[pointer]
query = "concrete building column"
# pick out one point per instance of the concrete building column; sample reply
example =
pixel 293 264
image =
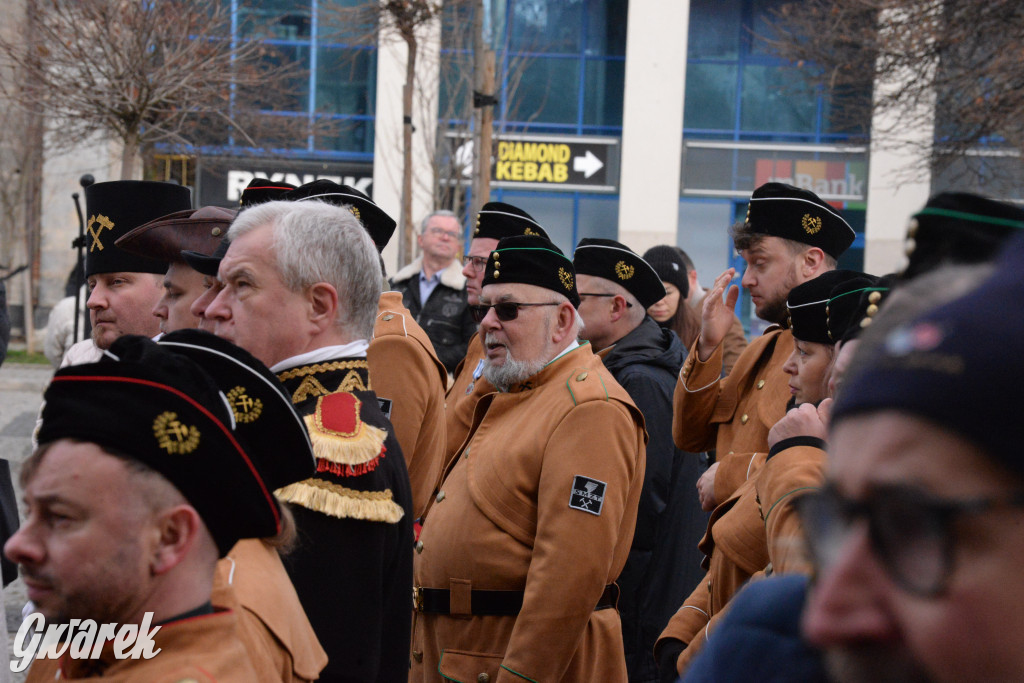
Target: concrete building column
pixel 899 179
pixel 387 145
pixel 652 122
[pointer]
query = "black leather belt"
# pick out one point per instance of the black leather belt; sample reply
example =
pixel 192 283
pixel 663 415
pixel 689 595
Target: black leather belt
pixel 490 603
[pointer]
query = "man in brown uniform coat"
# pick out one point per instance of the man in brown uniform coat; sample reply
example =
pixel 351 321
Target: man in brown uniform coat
pixel 127 537
pixel 494 222
pixel 790 236
pixel 756 530
pixel 517 558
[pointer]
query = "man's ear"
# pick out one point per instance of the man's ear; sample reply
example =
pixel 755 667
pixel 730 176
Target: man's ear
pixel 619 307
pixel 323 304
pixel 563 327
pixel 812 263
pixel 176 531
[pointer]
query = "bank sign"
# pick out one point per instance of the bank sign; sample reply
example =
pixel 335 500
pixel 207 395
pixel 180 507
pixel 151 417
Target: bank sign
pixel 842 180
pixel 222 179
pixel 541 162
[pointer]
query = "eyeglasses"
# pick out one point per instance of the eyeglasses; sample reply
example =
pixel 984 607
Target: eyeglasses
pixel 583 294
pixel 478 262
pixel 450 234
pixel 911 532
pixel 506 310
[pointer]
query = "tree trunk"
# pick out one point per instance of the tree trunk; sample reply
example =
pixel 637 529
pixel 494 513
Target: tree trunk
pixel 130 156
pixel 483 82
pixel 406 226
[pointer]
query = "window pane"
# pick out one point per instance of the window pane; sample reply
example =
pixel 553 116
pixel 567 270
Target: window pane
pixel 764 12
pixel 777 99
pixel 553 213
pixel 456 86
pixel 347 136
pixel 546 25
pixel 710 96
pixel 275 19
pixel 602 92
pixel 606 27
pixel 547 92
pixel 704 236
pixel 715 29
pixel 345 81
pixel 598 218
pixel 457 26
pixel 295 96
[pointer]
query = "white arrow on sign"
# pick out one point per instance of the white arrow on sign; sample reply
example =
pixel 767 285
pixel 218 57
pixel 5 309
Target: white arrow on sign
pixel 587 164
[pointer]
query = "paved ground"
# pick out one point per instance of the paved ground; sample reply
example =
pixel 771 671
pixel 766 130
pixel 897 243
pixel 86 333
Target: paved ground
pixel 21 390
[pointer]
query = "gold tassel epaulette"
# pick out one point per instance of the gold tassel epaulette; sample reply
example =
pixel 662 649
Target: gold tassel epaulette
pixel 341 502
pixel 343 444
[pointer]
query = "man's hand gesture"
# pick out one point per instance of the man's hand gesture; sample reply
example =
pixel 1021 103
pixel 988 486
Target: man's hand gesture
pixel 716 317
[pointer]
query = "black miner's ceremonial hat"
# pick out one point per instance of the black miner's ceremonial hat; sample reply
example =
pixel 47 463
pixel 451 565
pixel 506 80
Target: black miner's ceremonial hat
pixel 808 304
pixel 497 220
pixel 618 263
pixel 380 225
pixel 164 410
pixel 853 305
pixel 267 426
pixel 532 260
pixel 114 208
pixel 959 227
pixel 796 214
pixel 261 190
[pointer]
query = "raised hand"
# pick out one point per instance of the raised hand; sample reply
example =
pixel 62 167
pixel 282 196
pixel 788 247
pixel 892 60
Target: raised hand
pixel 716 317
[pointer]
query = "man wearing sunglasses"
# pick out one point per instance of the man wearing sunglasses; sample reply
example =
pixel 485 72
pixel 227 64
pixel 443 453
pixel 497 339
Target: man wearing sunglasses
pixel 495 221
pixel 433 288
pixel 515 567
pixel 664 566
pixel 919 536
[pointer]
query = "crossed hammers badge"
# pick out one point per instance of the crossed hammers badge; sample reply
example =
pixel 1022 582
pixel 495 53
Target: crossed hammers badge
pixel 96 225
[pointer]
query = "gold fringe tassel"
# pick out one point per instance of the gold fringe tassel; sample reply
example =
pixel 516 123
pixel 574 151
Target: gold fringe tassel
pixel 343 503
pixel 364 446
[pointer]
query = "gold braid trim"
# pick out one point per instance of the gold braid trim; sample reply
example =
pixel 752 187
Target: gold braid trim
pixel 337 501
pixel 323 367
pixel 362 446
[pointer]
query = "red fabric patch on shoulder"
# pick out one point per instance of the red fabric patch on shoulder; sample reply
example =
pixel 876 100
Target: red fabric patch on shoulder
pixel 338 413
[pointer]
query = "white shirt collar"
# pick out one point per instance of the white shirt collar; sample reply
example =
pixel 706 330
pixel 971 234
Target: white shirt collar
pixel 356 349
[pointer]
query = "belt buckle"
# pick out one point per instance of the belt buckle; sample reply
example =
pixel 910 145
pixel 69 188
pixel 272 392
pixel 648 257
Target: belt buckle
pixel 417 598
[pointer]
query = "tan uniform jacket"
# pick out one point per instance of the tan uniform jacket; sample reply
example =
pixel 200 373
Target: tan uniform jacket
pixel 463 395
pixel 733 344
pixel 755 528
pixel 732 415
pixel 406 374
pixel 199 649
pixel 506 521
pixel 280 641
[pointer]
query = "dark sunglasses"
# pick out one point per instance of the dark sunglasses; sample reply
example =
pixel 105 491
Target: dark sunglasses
pixel 506 310
pixel 911 531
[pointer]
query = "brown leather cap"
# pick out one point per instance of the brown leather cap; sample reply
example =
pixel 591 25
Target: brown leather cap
pixel 166 237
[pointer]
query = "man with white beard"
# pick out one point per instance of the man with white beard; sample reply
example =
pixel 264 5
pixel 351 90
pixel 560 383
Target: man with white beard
pixel 533 522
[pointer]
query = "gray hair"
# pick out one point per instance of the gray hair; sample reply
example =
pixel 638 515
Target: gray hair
pixel 440 212
pixel 313 242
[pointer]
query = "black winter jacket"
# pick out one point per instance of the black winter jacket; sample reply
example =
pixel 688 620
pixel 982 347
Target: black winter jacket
pixel 664 563
pixel 444 316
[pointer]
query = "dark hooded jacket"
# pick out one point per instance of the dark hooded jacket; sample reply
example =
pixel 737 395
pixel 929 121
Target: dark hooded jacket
pixel 664 563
